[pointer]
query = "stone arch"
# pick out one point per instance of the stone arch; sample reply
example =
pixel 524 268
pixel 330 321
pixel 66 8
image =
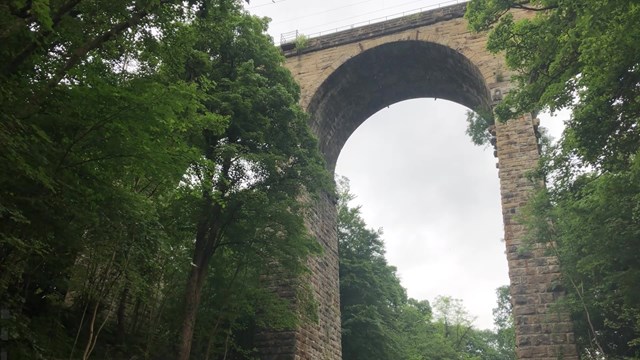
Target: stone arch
pixel 347 76
pixel 387 74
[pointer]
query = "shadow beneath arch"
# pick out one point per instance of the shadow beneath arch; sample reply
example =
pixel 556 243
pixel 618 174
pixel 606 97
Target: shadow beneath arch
pixel 387 74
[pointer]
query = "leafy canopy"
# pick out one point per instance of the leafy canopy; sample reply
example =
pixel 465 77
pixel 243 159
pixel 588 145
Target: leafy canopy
pixel 581 55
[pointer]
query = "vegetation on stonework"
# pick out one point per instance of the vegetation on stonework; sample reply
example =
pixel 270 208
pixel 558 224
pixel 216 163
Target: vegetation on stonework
pixel 582 55
pixel 301 42
pixel 479 126
pixel 380 322
pixel 153 154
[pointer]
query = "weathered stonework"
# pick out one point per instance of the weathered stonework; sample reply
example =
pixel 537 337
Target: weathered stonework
pixel 543 331
pixel 348 76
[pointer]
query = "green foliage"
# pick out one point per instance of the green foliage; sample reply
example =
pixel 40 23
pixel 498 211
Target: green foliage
pixel 379 322
pixel 301 42
pixel 122 125
pixel 371 296
pixel 592 220
pixel 505 335
pixel 90 150
pixel 582 55
pixel 479 127
pixel 254 171
pixel 454 323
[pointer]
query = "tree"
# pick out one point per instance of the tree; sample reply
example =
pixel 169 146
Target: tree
pixel 422 337
pixel 581 55
pixel 453 321
pixel 590 221
pixel 371 297
pixel 449 335
pixel 261 162
pixel 129 129
pixel 89 145
pixel 504 324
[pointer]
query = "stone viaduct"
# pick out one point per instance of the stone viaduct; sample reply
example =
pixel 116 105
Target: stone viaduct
pixel 346 77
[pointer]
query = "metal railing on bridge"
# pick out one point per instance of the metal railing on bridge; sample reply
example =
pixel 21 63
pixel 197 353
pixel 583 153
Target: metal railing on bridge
pixel 291 36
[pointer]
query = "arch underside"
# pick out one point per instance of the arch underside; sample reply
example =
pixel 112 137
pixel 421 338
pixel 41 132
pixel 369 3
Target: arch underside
pixel 387 74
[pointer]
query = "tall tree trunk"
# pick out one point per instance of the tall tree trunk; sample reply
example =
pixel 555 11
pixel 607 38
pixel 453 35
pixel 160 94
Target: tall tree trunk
pixel 136 316
pixel 192 301
pixel 207 240
pixel 94 314
pixel 212 337
pixel 121 316
pixel 208 234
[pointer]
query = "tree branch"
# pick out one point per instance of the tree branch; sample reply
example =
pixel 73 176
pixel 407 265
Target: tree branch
pixel 28 50
pixel 94 43
pixel 106 157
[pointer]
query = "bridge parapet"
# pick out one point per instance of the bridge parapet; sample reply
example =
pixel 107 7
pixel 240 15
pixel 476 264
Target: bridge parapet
pixel 369 31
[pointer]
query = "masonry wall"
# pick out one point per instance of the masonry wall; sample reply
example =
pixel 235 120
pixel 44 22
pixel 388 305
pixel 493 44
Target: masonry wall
pixel 543 330
pixel 322 340
pixel 319 339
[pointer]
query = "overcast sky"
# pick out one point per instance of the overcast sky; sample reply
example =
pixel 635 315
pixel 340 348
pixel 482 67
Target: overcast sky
pixel 416 174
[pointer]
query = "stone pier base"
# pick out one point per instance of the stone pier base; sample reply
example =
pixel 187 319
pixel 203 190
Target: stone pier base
pixel 543 330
